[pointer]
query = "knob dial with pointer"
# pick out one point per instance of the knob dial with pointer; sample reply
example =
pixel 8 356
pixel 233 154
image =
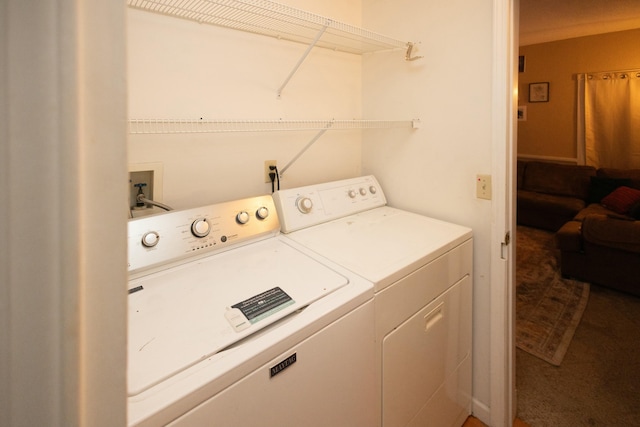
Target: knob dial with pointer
pixel 150 239
pixel 304 204
pixel 200 227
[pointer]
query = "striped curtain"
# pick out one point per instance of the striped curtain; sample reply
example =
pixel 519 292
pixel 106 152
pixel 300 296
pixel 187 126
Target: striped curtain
pixel 609 119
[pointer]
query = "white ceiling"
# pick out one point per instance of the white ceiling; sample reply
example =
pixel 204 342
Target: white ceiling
pixel 549 20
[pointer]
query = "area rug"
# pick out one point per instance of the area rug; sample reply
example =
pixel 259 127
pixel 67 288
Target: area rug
pixel 548 307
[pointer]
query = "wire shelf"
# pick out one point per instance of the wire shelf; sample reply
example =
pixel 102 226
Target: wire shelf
pixel 173 126
pixel 275 20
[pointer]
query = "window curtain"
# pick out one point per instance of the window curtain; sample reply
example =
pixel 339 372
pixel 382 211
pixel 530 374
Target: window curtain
pixel 608 112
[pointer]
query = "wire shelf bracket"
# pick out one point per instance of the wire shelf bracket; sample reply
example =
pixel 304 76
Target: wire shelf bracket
pixel 305 148
pixel 302 58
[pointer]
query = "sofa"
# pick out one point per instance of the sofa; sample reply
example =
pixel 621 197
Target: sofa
pixel 550 194
pixel 596 216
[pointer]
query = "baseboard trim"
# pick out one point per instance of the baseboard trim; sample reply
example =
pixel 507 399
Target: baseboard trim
pixel 481 411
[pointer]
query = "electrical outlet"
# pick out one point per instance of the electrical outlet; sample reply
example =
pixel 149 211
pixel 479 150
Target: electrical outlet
pixel 483 187
pixel 267 171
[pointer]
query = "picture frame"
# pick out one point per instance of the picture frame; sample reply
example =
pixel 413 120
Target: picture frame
pixel 539 92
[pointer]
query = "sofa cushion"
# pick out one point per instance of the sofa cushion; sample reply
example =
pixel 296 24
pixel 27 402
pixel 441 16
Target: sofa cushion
pixel 622 199
pixel 542 202
pixel 600 187
pixel 612 232
pixel 558 179
pixel 598 209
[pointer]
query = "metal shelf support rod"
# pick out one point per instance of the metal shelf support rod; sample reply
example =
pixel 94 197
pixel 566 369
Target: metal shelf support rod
pixel 305 148
pixel 303 57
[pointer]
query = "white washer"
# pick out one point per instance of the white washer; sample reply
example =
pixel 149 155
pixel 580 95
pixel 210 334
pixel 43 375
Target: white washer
pixel 421 269
pixel 231 325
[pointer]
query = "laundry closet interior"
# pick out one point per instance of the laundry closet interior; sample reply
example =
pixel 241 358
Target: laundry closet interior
pixel 328 91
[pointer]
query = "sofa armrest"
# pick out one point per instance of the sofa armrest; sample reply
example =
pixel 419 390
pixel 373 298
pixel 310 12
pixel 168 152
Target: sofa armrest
pixel 612 232
pixel 569 237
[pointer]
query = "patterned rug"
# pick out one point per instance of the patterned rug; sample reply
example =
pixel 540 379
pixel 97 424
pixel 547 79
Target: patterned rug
pixel 548 307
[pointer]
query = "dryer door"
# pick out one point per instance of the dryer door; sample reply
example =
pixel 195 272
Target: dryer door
pixel 424 362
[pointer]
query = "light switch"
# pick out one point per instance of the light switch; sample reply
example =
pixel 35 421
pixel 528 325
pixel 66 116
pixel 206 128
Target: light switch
pixel 483 187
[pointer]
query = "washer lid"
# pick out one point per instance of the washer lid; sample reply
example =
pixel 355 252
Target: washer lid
pixel 383 244
pixel 185 314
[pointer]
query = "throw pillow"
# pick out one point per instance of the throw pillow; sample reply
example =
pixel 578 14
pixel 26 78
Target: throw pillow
pixel 622 199
pixel 601 187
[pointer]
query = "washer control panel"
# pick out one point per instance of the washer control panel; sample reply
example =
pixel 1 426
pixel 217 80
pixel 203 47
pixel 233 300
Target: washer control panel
pixel 178 235
pixel 314 204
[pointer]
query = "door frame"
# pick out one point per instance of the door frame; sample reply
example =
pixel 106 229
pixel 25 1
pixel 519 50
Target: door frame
pixel 504 135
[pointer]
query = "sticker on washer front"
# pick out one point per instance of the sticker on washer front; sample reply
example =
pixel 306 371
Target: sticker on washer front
pixel 259 307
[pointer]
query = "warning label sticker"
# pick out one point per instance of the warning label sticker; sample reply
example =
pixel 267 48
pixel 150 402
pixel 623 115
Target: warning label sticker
pixel 263 305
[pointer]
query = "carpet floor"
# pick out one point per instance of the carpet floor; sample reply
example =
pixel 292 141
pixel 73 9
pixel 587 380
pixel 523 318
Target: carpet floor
pixel 598 382
pixel 548 307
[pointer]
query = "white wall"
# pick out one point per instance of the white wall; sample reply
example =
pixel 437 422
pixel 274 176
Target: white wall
pixel 62 234
pixel 433 171
pixel 181 69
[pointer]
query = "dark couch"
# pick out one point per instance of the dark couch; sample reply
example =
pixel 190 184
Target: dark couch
pixel 550 194
pixel 596 215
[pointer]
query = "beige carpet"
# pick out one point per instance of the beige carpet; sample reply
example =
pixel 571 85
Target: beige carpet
pixel 548 307
pixel 598 383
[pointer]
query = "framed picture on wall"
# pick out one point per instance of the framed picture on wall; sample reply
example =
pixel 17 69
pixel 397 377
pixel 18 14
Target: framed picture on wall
pixel 539 92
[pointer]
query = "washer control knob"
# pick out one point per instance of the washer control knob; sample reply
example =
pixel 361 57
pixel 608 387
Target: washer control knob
pixel 262 213
pixel 373 189
pixel 363 191
pixel 352 194
pixel 242 217
pixel 200 227
pixel 150 239
pixel 304 204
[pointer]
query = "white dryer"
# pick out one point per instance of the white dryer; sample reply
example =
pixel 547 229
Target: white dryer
pixel 231 325
pixel 421 269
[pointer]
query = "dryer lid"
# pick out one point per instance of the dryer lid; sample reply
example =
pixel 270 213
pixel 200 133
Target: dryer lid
pixel 383 244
